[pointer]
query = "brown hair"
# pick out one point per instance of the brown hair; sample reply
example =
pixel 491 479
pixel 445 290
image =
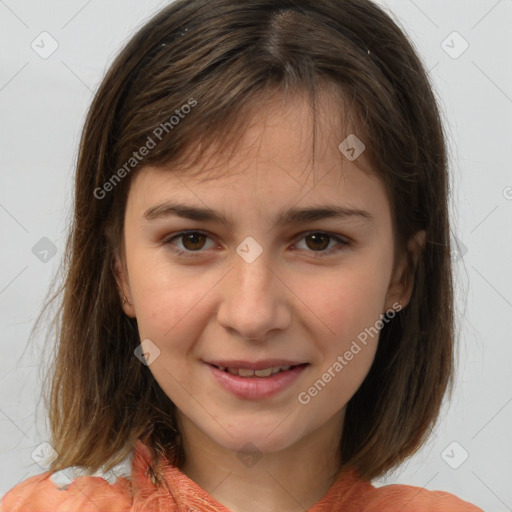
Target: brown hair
pixel 221 57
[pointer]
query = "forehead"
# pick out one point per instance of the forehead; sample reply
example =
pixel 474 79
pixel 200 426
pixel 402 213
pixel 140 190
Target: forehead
pixel 287 154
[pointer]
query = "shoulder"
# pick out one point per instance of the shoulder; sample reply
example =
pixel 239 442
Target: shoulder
pixel 414 499
pixel 85 493
pixel 356 494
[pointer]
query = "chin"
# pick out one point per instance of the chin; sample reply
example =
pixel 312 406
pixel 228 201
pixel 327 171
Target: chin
pixel 253 437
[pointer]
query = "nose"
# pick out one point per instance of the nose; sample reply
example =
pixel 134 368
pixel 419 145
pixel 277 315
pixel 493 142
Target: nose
pixel 254 300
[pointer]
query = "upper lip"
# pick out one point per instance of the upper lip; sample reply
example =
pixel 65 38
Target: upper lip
pixel 255 365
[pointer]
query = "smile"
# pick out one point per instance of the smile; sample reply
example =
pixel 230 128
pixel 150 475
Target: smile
pixel 247 372
pixel 256 383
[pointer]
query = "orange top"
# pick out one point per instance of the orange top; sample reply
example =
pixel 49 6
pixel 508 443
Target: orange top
pixel 137 493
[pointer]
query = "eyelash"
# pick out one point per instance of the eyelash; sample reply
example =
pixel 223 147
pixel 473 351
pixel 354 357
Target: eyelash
pixel 343 244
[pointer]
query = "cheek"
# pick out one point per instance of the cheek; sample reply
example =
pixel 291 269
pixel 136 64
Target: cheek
pixel 346 338
pixel 348 301
pixel 168 301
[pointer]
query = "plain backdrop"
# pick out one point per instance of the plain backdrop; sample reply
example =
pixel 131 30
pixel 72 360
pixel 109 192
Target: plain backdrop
pixel 43 100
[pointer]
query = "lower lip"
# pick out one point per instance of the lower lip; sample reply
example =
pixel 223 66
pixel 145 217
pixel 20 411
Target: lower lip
pixel 255 388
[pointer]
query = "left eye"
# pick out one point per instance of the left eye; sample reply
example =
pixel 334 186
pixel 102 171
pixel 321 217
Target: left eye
pixel 193 242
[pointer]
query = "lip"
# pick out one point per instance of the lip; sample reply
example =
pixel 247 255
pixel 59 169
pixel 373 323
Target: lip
pixel 258 365
pixel 256 388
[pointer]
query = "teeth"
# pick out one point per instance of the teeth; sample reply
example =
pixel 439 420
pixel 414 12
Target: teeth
pixel 267 372
pixel 245 372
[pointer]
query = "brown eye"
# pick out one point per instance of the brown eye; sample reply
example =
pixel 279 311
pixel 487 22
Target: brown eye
pixel 320 241
pixel 193 241
pixel 188 243
pixel 317 243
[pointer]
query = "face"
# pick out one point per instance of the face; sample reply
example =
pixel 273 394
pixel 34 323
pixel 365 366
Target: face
pixel 262 289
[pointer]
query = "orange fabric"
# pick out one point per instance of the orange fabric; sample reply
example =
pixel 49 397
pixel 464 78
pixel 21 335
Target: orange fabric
pixel 139 494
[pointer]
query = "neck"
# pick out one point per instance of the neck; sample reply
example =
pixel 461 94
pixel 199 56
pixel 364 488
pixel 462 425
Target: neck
pixel 296 477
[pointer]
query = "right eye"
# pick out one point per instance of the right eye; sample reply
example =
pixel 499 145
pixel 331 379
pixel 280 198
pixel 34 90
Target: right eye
pixel 192 241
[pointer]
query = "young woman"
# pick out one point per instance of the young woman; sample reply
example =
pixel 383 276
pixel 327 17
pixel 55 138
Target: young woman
pixel 258 305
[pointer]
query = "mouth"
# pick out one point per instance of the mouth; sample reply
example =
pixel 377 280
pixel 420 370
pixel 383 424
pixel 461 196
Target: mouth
pixel 256 380
pixel 264 372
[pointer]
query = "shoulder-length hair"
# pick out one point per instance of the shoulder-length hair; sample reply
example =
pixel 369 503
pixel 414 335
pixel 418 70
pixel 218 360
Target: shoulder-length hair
pixel 187 80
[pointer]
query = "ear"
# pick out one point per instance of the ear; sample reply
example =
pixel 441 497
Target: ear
pixel 402 281
pixel 121 275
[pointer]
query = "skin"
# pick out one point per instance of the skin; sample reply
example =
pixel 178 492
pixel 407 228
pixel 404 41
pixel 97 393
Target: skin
pixel 289 303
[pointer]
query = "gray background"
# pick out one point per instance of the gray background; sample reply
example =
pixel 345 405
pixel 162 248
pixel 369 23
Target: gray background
pixel 42 107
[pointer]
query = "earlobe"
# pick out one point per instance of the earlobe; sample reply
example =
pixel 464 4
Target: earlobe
pixel 123 286
pixel 402 284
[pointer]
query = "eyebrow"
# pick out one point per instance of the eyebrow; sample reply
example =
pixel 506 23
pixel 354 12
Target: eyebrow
pixel 290 216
